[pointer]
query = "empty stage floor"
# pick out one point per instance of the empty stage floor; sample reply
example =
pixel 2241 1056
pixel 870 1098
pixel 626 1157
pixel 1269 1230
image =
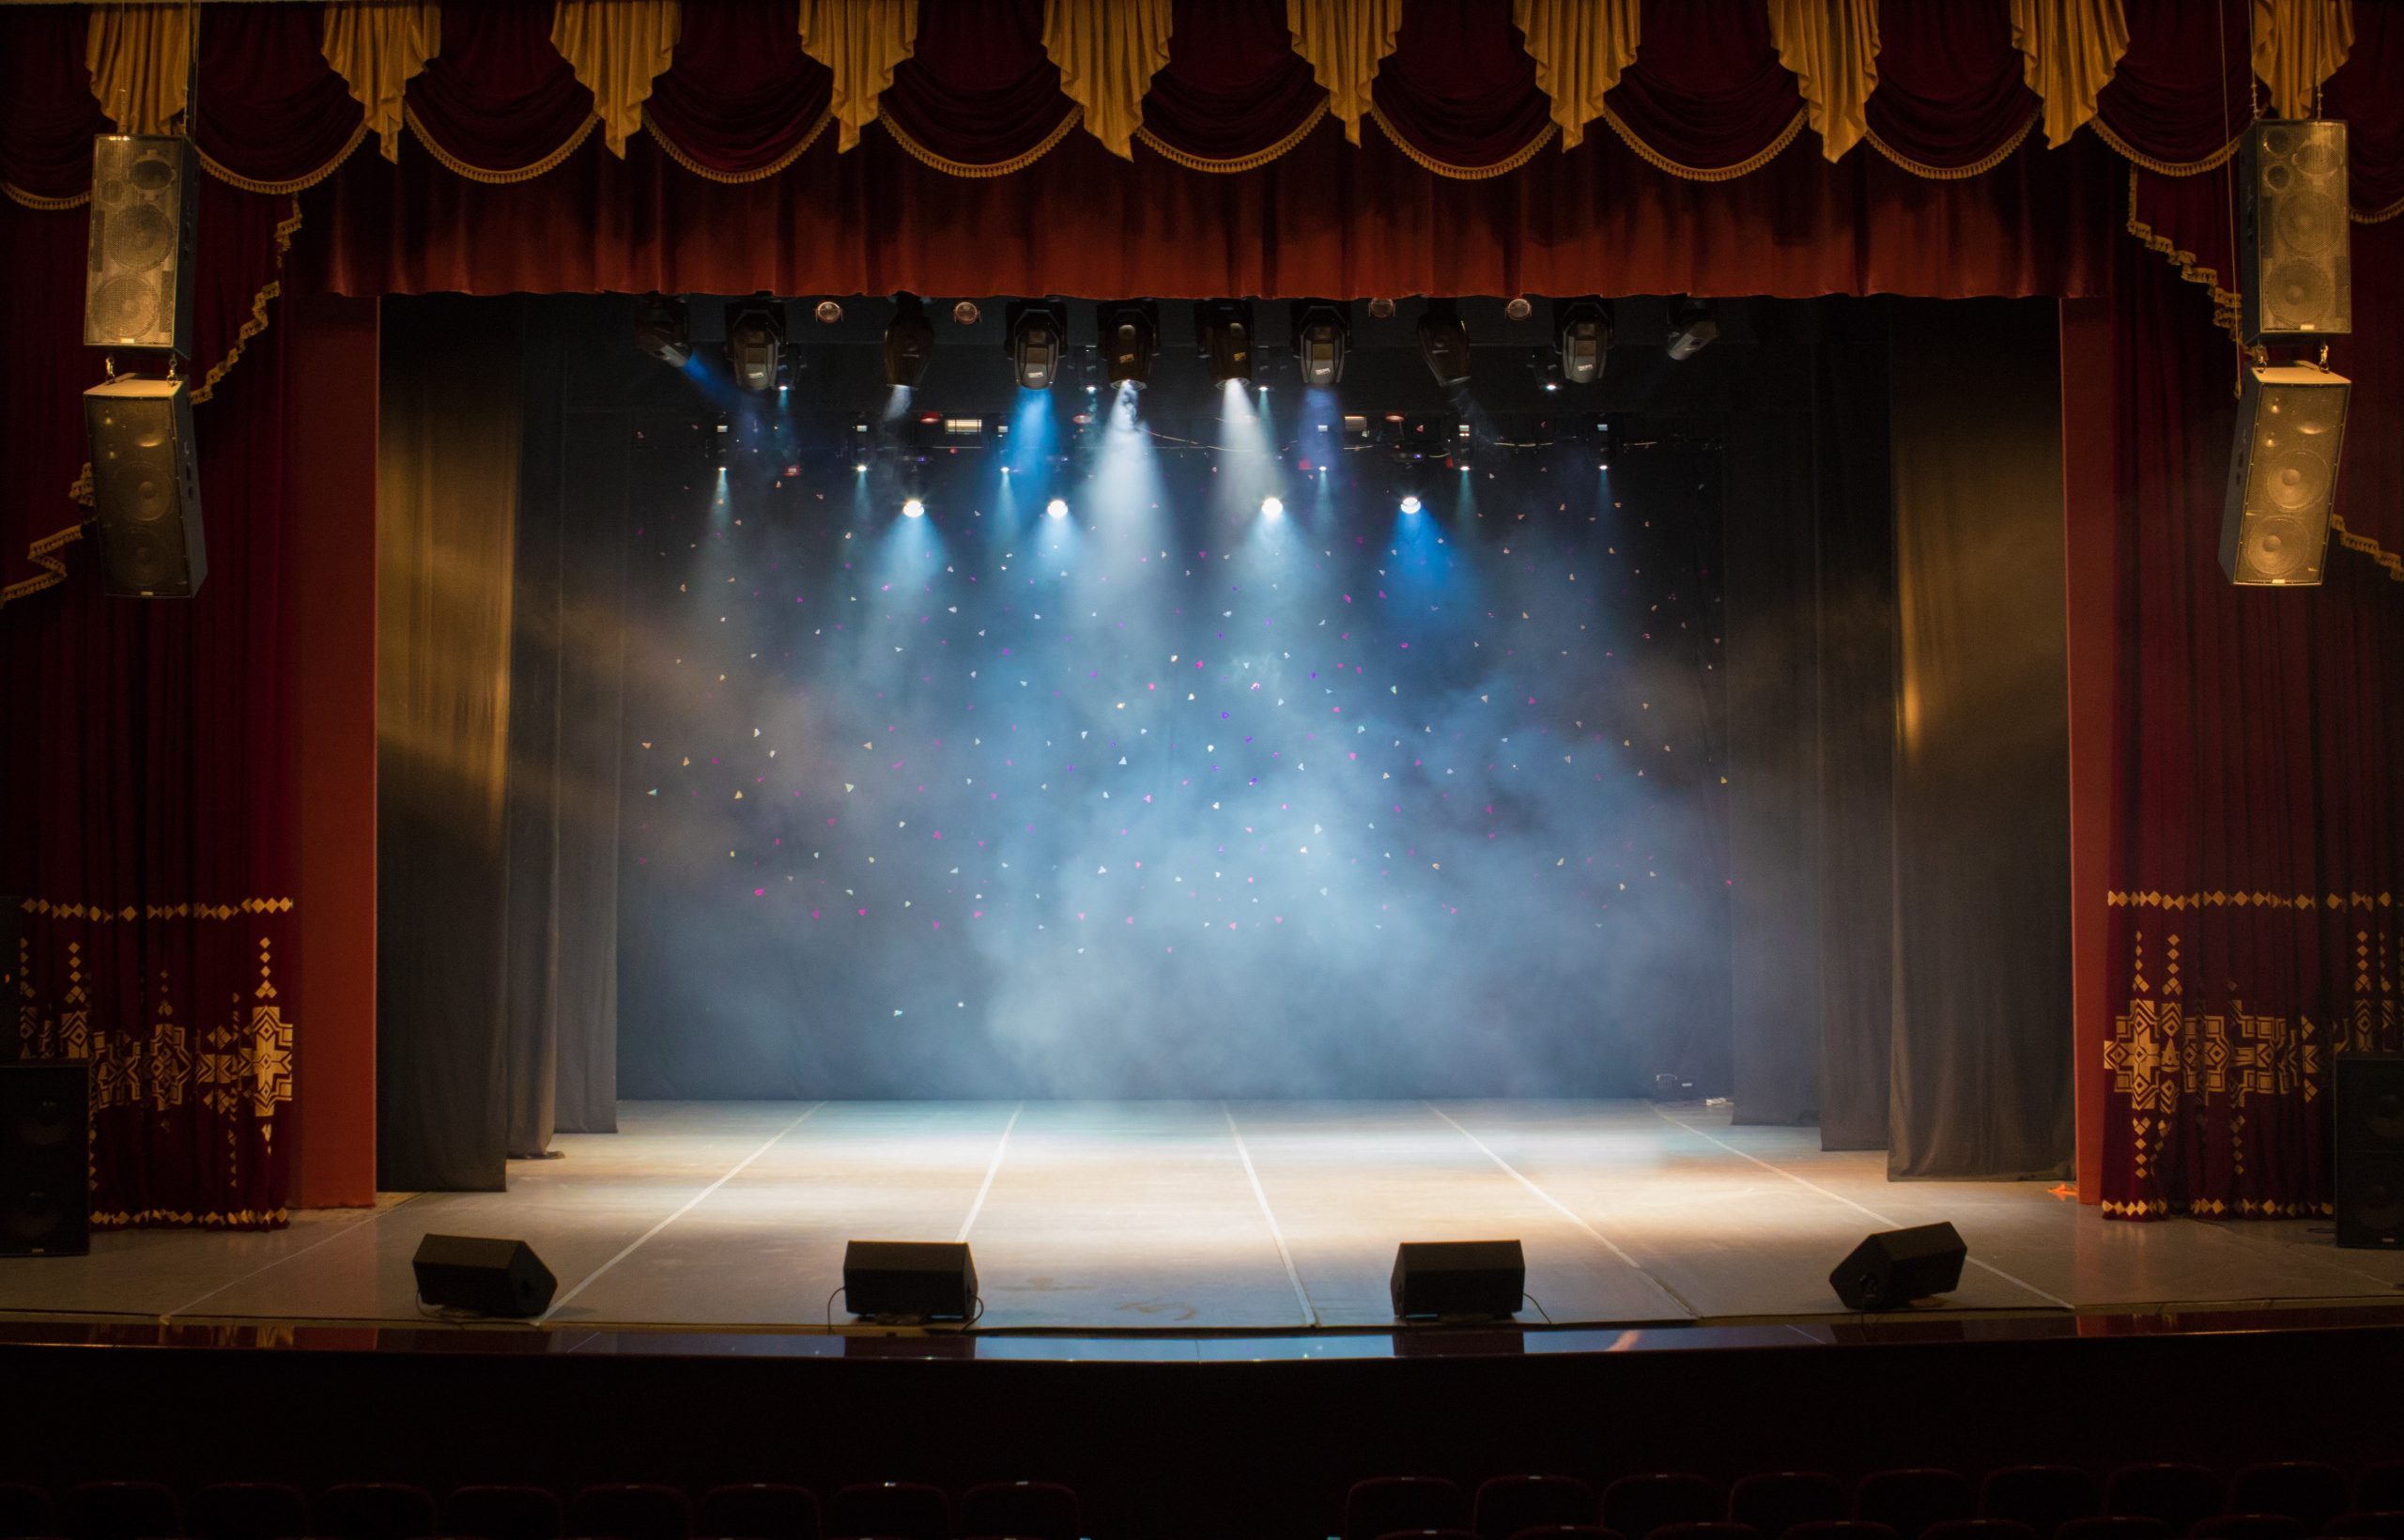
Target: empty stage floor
pixel 1196 1217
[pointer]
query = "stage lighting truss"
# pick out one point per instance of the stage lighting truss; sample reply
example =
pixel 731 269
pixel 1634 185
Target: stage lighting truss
pixel 1223 332
pixel 1443 342
pixel 1323 335
pixel 1038 336
pixel 932 432
pixel 1582 328
pixel 755 338
pixel 909 342
pixel 1693 327
pixel 1424 438
pixel 1130 333
pixel 664 330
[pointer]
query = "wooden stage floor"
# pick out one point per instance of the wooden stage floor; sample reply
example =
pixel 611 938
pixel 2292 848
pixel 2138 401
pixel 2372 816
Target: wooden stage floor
pixel 1198 1217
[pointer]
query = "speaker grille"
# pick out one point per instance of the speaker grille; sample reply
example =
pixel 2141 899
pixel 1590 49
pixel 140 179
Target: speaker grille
pixel 2295 267
pixel 144 487
pixel 138 278
pixel 2283 474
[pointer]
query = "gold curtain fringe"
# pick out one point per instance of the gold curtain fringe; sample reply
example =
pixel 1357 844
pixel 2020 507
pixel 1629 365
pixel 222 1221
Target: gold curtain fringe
pixel 997 168
pixel 1659 161
pixel 2225 302
pixel 2367 547
pixel 255 323
pixel 2377 216
pixel 1170 153
pixel 499 179
pixel 1510 163
pixel 2221 899
pixel 1954 174
pixel 50 910
pixel 34 200
pixel 2164 168
pixel 240 1219
pixel 297 184
pixel 734 178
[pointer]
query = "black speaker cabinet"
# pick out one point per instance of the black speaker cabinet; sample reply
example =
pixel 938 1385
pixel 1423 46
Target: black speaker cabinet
pixel 137 283
pixel 490 1277
pixel 2282 474
pixel 1893 1268
pixel 1457 1278
pixel 45 1158
pixel 924 1278
pixel 2295 266
pixel 2370 1149
pixel 145 488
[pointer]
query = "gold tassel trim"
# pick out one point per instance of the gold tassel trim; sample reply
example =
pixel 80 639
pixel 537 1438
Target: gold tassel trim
pixel 2225 302
pixel 1254 162
pixel 1951 173
pixel 1510 163
pixel 41 552
pixel 2218 900
pixel 256 322
pixel 1659 161
pixel 241 1219
pixel 2165 168
pixel 47 910
pixel 2377 216
pixel 2367 547
pixel 498 179
pixel 35 200
pixel 297 184
pixel 997 168
pixel 676 153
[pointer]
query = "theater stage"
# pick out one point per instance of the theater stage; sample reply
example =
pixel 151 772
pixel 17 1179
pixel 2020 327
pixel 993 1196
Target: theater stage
pixel 1199 1216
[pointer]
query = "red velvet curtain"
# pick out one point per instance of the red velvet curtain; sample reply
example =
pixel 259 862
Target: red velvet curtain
pixel 742 97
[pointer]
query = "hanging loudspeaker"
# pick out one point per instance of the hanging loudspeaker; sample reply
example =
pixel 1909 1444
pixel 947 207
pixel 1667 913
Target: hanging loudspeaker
pixel 145 488
pixel 2295 265
pixel 137 281
pixel 2282 472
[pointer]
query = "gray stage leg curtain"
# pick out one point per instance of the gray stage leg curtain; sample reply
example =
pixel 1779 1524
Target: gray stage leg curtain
pixel 446 491
pixel 1982 1037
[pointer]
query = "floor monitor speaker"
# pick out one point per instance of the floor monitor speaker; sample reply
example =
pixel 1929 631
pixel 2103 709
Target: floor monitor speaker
pixel 1893 1268
pixel 137 281
pixel 2282 474
pixel 2295 267
pixel 2370 1149
pixel 45 1158
pixel 922 1278
pixel 1458 1278
pixel 482 1276
pixel 145 488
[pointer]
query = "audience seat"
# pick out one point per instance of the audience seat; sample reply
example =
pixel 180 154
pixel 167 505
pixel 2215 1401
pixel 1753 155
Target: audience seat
pixel 1841 1529
pixel 377 1510
pixel 249 1509
pixel 1978 1528
pixel 631 1511
pixel 761 1510
pixel 891 1509
pixel 121 1510
pixel 2359 1525
pixel 1505 1505
pixel 2309 1491
pixel 1385 1504
pixel 2180 1496
pixel 1025 1510
pixel 1638 1506
pixel 1568 1531
pixel 1774 1502
pixel 2113 1526
pixel 2247 1527
pixel 2379 1488
pixel 504 1512
pixel 1908 1502
pixel 1717 1529
pixel 25 1511
pixel 2043 1497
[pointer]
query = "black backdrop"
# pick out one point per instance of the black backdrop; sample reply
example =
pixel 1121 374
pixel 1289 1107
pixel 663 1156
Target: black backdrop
pixel 1797 992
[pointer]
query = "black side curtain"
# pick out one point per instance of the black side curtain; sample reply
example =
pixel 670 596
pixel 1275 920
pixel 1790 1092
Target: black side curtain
pixel 498 668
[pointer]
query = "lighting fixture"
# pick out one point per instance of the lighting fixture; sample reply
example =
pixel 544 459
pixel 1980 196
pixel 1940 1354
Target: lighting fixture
pixel 913 508
pixel 1583 329
pixel 1518 309
pixel 1382 310
pixel 909 342
pixel 1272 507
pixel 1322 334
pixel 664 330
pixel 1693 327
pixel 1410 503
pixel 1039 333
pixel 1131 330
pixel 755 336
pixel 965 313
pixel 1443 342
pixel 1223 330
pixel 1057 507
pixel 827 312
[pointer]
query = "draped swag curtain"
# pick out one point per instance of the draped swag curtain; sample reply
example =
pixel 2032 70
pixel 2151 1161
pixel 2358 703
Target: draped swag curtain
pixel 1478 146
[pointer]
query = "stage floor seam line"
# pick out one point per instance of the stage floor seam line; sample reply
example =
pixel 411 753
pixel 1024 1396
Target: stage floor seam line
pixel 1566 1212
pixel 993 1169
pixel 1276 1232
pixel 636 1245
pixel 1856 1205
pixel 350 1227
